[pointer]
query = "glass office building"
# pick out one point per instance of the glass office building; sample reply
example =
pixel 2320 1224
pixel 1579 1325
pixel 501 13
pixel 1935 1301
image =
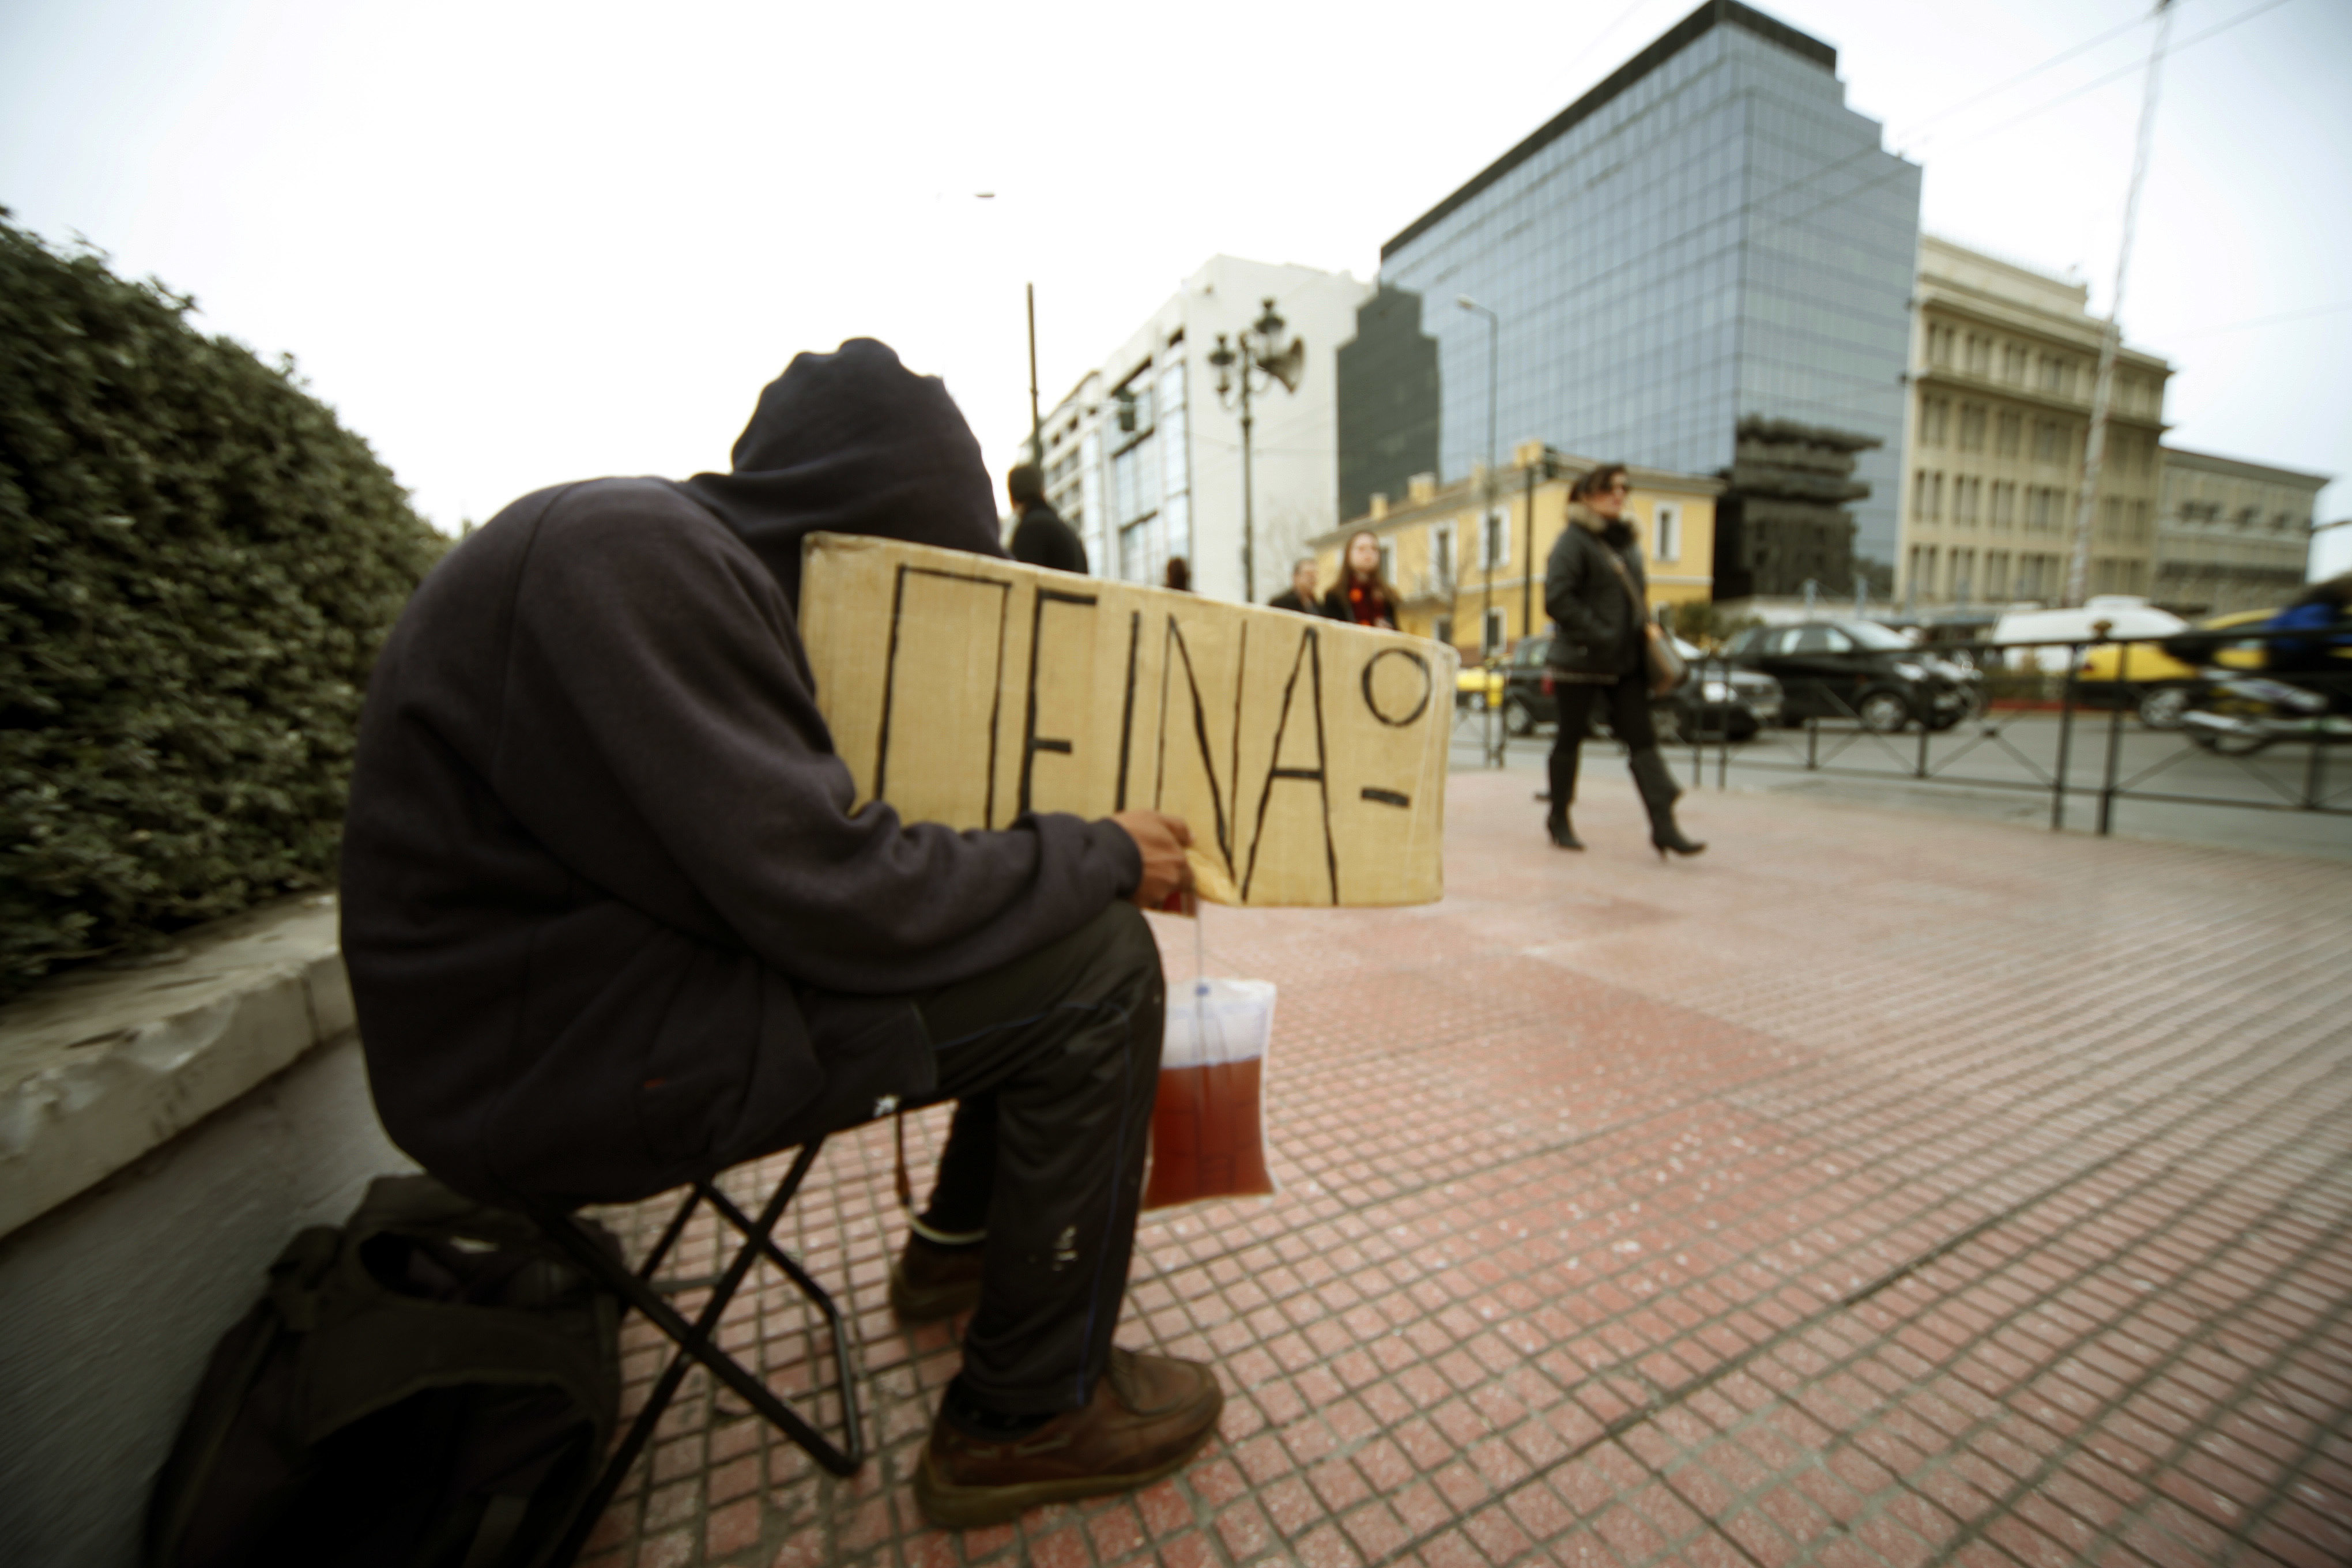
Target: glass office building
pixel 1707 236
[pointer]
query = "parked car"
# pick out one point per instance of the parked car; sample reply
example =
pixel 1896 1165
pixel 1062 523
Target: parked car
pixel 1713 701
pixel 1859 669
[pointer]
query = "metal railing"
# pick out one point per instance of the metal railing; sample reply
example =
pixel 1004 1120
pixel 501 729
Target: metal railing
pixel 2040 726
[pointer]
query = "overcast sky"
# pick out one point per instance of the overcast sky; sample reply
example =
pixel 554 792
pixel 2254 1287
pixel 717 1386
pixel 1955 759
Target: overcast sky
pixel 520 243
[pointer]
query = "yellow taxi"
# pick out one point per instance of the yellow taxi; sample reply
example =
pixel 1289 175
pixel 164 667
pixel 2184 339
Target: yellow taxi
pixel 1479 687
pixel 2155 682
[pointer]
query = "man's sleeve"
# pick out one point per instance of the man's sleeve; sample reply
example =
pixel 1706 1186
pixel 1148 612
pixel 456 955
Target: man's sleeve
pixel 674 650
pixel 1029 545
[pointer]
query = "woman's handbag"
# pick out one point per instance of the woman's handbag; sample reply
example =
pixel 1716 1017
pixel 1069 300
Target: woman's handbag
pixel 1665 666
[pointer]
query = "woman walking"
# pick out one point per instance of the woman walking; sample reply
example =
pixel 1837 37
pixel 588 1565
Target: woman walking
pixel 1596 594
pixel 1361 594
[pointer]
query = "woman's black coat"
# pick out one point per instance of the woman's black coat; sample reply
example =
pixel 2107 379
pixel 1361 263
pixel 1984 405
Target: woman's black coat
pixel 1596 633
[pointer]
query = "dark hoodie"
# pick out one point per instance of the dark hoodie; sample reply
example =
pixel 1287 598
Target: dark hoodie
pixel 609 919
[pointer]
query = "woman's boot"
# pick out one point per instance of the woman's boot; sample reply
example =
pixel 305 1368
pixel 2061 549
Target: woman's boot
pixel 1658 792
pixel 1563 791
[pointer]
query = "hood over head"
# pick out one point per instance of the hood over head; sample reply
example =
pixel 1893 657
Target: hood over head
pixel 853 442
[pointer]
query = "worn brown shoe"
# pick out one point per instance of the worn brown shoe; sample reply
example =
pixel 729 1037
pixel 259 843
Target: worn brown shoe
pixel 1149 1414
pixel 929 1281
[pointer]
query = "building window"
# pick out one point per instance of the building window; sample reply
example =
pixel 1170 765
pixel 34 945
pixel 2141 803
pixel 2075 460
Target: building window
pixel 1495 540
pixel 1170 440
pixel 1441 557
pixel 1492 641
pixel 2011 441
pixel 1443 631
pixel 1972 427
pixel 1668 545
pixel 1134 553
pixel 2046 441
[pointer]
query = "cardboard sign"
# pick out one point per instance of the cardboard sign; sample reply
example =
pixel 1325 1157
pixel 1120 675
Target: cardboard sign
pixel 1307 756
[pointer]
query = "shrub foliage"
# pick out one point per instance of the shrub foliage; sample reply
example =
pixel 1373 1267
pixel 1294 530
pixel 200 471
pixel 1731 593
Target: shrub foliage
pixel 197 566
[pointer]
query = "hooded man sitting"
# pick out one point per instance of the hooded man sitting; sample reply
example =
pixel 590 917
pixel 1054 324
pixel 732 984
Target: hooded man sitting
pixel 612 924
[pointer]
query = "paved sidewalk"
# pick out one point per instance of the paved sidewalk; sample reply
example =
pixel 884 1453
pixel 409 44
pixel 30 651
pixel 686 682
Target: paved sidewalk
pixel 1873 1189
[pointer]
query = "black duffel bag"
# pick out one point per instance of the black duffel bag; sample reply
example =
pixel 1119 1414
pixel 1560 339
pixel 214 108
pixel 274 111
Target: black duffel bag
pixel 431 1387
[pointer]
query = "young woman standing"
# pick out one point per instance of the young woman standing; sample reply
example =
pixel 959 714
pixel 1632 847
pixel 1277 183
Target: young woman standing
pixel 1595 591
pixel 1361 594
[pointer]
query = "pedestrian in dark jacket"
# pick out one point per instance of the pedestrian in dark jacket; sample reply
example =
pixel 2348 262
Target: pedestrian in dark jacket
pixel 1040 537
pixel 1595 591
pixel 612 924
pixel 1361 594
pixel 1300 595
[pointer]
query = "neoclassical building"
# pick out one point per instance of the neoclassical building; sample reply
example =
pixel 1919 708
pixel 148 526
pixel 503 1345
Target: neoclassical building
pixel 2003 363
pixel 2229 534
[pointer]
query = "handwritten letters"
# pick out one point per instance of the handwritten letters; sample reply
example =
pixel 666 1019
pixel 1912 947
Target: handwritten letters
pixel 1309 756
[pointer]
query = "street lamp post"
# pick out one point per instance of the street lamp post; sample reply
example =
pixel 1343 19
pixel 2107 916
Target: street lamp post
pixel 1260 352
pixel 1487 506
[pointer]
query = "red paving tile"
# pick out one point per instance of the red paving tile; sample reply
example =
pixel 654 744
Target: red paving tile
pixel 1873 1190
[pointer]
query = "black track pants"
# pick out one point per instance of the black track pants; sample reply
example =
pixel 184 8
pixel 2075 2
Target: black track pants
pixel 1054 1061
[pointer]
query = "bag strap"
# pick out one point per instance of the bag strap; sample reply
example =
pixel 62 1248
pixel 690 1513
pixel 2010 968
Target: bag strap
pixel 1641 611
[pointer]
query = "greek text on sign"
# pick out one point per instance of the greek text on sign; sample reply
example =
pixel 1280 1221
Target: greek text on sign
pixel 1309 756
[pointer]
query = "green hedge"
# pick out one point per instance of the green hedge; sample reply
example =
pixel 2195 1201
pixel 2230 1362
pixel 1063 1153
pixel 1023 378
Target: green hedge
pixel 197 566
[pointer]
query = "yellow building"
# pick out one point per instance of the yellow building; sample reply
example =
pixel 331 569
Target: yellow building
pixel 1481 589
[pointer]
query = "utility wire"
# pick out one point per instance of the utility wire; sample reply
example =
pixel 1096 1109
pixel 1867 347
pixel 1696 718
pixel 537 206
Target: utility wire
pixel 1907 132
pixel 1904 167
pixel 1621 18
pixel 2263 321
pixel 2133 68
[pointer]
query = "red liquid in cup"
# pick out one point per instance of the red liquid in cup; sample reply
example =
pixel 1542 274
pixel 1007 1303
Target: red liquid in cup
pixel 1206 1141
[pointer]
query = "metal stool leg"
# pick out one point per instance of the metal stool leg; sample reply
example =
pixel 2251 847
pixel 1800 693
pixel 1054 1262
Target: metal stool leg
pixel 694 1340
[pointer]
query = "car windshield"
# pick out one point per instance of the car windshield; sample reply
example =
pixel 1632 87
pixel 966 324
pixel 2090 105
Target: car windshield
pixel 1873 636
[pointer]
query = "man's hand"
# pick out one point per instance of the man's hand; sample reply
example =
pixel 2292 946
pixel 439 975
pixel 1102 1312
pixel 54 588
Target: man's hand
pixel 1160 840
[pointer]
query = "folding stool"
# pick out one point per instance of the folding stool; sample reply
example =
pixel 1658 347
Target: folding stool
pixel 694 1340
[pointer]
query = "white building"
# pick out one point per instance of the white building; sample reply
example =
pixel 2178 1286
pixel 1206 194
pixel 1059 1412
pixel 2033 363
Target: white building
pixel 2229 534
pixel 1172 484
pixel 2004 361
